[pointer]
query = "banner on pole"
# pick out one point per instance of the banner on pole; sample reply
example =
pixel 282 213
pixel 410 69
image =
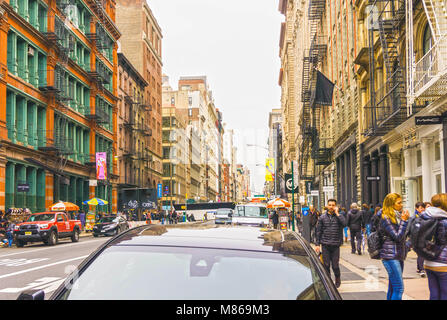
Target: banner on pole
pixel 101 165
pixel 269 169
pixel 288 182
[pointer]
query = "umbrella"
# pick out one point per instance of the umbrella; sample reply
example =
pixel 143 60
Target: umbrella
pixel 96 202
pixel 64 206
pixel 269 203
pixel 280 203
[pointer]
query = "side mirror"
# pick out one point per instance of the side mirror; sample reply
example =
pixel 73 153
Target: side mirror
pixel 32 295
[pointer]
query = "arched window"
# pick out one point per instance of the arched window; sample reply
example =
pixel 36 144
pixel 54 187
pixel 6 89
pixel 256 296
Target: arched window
pixel 428 40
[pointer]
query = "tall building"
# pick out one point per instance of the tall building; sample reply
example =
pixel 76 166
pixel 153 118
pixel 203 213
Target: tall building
pixel 141 43
pixel 275 122
pixel 58 91
pixel 137 183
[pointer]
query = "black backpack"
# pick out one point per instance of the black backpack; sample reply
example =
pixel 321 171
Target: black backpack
pixel 375 242
pixel 422 236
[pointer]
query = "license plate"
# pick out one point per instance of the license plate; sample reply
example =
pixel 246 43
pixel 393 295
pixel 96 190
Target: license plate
pixel 28 233
pixel 103 231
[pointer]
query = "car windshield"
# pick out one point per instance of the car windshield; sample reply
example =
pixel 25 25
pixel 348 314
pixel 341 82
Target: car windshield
pixel 252 211
pixel 41 217
pixel 123 272
pixel 107 219
pixel 225 211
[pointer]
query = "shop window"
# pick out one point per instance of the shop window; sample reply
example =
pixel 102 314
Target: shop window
pixel 437 151
pixel 419 158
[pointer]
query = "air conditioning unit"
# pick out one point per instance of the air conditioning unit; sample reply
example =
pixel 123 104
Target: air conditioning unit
pixel 144 35
pixel 31 51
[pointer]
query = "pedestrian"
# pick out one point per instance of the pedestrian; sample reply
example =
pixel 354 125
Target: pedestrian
pixel 275 219
pixel 427 204
pixel 314 216
pixel 345 229
pixel 10 234
pixel 392 226
pixel 329 238
pixel 174 217
pixel 367 215
pixel 299 221
pixel 420 208
pixel 437 269
pixel 206 216
pixel 82 218
pixel 355 224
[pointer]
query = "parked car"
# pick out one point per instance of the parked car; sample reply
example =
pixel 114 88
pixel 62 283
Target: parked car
pixel 110 226
pixel 47 227
pixel 223 216
pixel 198 262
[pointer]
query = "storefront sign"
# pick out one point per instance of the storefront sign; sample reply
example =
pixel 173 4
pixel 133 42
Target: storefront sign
pixel 93 183
pixel 314 193
pixel 309 186
pixel 23 187
pixel 420 121
pixel 377 178
pixel 101 165
pixel 159 191
pixel 302 199
pixel 328 189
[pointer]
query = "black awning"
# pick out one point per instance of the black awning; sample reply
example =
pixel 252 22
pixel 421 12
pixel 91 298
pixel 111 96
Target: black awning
pixel 322 95
pixel 44 166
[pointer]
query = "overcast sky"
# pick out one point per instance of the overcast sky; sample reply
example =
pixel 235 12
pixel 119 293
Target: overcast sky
pixel 235 44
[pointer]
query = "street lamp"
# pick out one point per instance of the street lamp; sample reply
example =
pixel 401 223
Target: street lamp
pixel 275 157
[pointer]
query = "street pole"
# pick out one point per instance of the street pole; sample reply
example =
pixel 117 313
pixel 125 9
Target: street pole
pixel 293 201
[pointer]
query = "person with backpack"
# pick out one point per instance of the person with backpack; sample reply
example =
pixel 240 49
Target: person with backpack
pixel 314 216
pixel 392 229
pixel 367 216
pixel 355 224
pixel 329 235
pixel 420 208
pixel 428 236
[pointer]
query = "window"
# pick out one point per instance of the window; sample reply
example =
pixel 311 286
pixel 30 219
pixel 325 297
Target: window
pixel 172 101
pixel 190 101
pixel 428 40
pixel 419 158
pixel 190 112
pixel 437 151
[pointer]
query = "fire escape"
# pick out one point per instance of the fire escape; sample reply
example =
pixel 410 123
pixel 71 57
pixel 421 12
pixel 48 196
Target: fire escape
pixel 386 108
pixel 55 141
pixel 312 151
pixel 132 130
pixel 427 78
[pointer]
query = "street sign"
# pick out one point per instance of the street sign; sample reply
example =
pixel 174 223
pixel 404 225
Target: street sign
pixel 23 187
pixel 159 190
pixel 328 189
pixel 420 121
pixel 377 178
pixel 288 182
pixel 305 211
pixel 314 193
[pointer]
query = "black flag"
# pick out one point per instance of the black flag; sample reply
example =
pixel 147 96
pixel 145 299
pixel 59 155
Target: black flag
pixel 323 91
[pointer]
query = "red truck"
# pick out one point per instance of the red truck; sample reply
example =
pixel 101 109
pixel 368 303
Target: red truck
pixel 47 227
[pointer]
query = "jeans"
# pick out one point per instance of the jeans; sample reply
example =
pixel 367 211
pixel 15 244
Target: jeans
pixel 356 235
pixel 437 284
pixel 331 255
pixel 395 269
pixel 368 229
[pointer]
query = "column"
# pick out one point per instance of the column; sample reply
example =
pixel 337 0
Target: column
pixel 407 196
pixel 40 192
pixel 426 169
pixel 374 187
pixel 346 182
pixel 21 119
pixel 11 115
pixel 31 179
pixel 9 185
pixel 349 179
pixel 21 178
pixel 383 158
pixel 366 196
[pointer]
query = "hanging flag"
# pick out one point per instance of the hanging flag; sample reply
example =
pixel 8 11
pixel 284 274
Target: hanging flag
pixel 269 169
pixel 101 165
pixel 322 94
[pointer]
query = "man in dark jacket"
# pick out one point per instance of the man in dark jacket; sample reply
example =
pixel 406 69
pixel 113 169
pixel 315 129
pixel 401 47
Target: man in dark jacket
pixel 275 219
pixel 367 215
pixel 330 237
pixel 355 224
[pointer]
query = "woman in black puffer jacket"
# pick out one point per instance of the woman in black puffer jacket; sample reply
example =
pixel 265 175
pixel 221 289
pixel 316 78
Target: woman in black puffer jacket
pixel 393 251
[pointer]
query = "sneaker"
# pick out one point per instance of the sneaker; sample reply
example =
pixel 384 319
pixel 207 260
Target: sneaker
pixel 360 253
pixel 353 252
pixel 422 274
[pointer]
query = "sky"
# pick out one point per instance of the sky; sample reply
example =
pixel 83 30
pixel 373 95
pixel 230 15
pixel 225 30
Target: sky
pixel 235 43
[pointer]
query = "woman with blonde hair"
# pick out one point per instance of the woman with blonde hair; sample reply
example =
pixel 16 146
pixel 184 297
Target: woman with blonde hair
pixel 392 227
pixel 436 269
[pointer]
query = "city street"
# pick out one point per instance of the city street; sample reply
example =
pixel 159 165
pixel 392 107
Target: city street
pixel 38 266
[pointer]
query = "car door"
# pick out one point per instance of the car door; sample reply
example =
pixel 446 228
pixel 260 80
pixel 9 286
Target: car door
pixel 60 224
